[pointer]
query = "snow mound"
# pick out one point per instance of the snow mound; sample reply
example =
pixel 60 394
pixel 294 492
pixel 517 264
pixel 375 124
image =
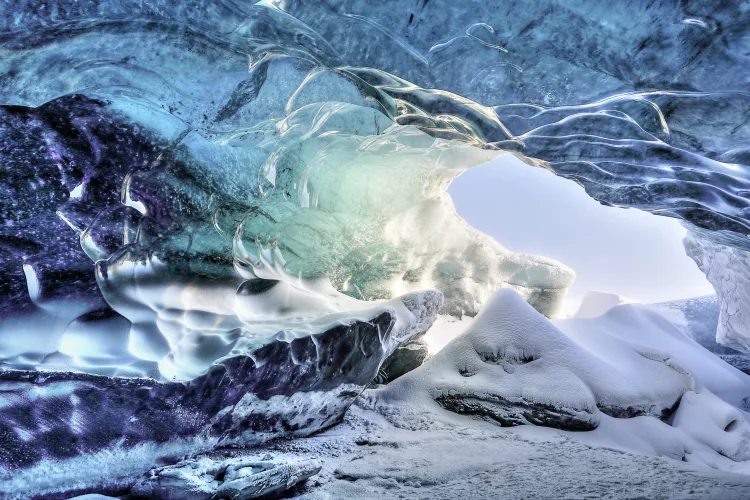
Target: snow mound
pixel 514 366
pixel 630 376
pixel 654 328
pixel 597 303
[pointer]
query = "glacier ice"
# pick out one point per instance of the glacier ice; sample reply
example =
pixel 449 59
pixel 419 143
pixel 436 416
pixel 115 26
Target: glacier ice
pixel 286 155
pixel 727 268
pixel 201 244
pixel 188 187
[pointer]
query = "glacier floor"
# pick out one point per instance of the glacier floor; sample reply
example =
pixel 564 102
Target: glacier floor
pixel 366 457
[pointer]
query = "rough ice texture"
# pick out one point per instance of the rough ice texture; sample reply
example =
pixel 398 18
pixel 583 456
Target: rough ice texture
pixel 620 375
pixel 289 387
pixel 206 477
pixel 727 268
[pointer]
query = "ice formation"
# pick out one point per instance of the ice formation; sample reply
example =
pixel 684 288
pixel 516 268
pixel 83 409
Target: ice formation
pixel 727 268
pixel 219 219
pixel 237 479
pixel 285 156
pixel 193 255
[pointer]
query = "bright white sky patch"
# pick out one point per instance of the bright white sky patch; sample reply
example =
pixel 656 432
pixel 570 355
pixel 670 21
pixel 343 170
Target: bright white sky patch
pixel 623 251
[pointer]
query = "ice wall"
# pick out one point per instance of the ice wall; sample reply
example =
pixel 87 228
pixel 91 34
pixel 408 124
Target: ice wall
pixel 202 222
pixel 727 268
pixel 212 158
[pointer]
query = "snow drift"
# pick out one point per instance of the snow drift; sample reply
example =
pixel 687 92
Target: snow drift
pixel 626 373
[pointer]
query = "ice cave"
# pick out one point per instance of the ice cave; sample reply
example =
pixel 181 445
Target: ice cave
pixel 418 249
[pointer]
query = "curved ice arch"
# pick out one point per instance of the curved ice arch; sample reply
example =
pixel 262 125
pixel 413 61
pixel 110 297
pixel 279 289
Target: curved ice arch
pixel 643 149
pixel 208 248
pixel 680 151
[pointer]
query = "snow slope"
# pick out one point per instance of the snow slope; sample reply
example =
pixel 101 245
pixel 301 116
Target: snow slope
pixel 629 376
pixel 646 326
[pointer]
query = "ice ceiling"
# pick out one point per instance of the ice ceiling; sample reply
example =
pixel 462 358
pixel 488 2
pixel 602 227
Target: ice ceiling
pixel 193 179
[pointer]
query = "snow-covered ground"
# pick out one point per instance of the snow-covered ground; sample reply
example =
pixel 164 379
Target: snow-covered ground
pixel 366 457
pixel 430 454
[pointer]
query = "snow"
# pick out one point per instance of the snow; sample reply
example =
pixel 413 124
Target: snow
pixel 591 373
pixel 647 326
pixel 514 353
pixel 597 303
pixel 398 442
pixel 367 457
